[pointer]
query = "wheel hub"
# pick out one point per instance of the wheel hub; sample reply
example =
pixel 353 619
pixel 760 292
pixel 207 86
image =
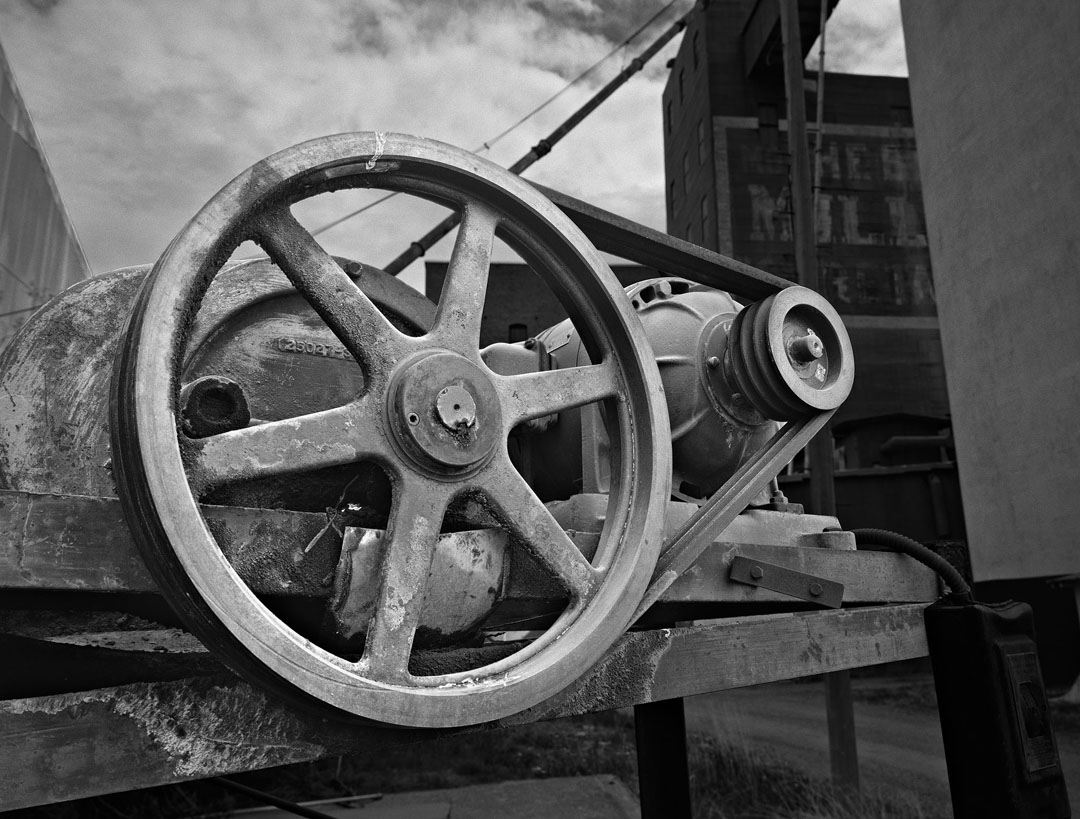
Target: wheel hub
pixel 444 411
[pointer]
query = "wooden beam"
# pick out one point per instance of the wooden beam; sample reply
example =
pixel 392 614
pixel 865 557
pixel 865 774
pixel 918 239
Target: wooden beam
pixel 76 543
pixel 761 37
pixel 761 34
pixel 70 746
pixel 663 768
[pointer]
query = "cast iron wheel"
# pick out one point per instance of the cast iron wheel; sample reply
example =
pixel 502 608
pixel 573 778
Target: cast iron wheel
pixel 431 414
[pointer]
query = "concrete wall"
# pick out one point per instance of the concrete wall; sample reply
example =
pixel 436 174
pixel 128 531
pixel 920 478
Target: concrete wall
pixel 994 87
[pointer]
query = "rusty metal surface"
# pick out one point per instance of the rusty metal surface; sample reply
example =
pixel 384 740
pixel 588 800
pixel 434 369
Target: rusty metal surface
pixel 54 389
pixel 251 327
pixel 788 582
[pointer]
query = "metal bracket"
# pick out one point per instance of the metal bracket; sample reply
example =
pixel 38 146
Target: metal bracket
pixel 804 586
pixel 694 537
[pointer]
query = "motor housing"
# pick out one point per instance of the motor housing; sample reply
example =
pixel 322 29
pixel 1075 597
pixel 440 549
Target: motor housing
pixel 713 425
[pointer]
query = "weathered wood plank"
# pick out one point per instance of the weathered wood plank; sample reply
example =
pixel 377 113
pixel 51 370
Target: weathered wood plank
pixel 66 747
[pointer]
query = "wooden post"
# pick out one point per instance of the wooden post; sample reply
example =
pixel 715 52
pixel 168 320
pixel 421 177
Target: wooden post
pixel 1072 696
pixel 841 716
pixel 663 772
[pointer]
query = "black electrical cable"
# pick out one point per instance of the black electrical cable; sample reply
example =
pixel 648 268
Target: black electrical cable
pixel 913 549
pixel 270 799
pixel 22 310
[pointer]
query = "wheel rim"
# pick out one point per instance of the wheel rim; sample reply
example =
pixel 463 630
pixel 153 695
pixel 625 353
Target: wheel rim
pixel 161 474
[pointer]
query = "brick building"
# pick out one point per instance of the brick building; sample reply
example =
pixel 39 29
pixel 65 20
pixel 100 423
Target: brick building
pixel 727 169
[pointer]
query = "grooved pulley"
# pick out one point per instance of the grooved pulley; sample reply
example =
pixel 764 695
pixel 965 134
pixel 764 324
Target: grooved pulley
pixel 790 355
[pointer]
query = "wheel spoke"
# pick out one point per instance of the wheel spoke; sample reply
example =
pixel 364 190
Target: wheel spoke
pixel 538 531
pixel 333 437
pixel 537 394
pixel 415 521
pixel 461 305
pixel 354 319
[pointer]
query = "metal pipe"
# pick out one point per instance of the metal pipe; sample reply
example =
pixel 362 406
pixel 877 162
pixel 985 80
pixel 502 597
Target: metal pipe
pixel 818 138
pixel 544 146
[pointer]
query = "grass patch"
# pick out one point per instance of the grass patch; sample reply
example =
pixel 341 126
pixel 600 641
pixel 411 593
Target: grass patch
pixel 734 782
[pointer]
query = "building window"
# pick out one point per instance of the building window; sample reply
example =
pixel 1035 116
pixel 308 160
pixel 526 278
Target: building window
pixel 702 145
pixel 694 49
pixel 686 172
pixel 682 95
pixel 667 112
pixel 517 332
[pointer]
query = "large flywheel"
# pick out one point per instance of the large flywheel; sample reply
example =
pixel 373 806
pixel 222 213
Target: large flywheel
pixel 430 414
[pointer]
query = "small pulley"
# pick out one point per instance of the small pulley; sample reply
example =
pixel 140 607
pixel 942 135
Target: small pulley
pixel 791 355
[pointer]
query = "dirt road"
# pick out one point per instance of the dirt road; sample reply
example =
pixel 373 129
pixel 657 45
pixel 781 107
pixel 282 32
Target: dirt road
pixel 899 747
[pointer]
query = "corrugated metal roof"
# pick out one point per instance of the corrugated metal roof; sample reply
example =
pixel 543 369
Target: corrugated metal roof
pixel 40 253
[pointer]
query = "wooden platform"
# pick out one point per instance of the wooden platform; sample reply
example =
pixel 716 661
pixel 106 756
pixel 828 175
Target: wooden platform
pixel 70 746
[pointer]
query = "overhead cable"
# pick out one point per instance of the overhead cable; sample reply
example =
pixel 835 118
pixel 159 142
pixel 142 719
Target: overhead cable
pixel 506 132
pixel 544 146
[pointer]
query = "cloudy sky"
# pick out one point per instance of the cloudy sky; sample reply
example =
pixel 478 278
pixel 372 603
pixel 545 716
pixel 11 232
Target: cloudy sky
pixel 147 107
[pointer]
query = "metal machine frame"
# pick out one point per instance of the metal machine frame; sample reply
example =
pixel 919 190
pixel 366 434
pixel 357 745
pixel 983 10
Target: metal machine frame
pixel 60 746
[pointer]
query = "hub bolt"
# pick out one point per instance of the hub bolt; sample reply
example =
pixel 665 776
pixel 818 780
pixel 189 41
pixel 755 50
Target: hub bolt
pixel 455 407
pixel 805 349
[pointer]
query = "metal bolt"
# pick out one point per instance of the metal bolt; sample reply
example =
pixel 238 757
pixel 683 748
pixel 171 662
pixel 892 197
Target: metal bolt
pixel 757 572
pixel 815 589
pixel 713 362
pixel 805 349
pixel 456 407
pixel 414 419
